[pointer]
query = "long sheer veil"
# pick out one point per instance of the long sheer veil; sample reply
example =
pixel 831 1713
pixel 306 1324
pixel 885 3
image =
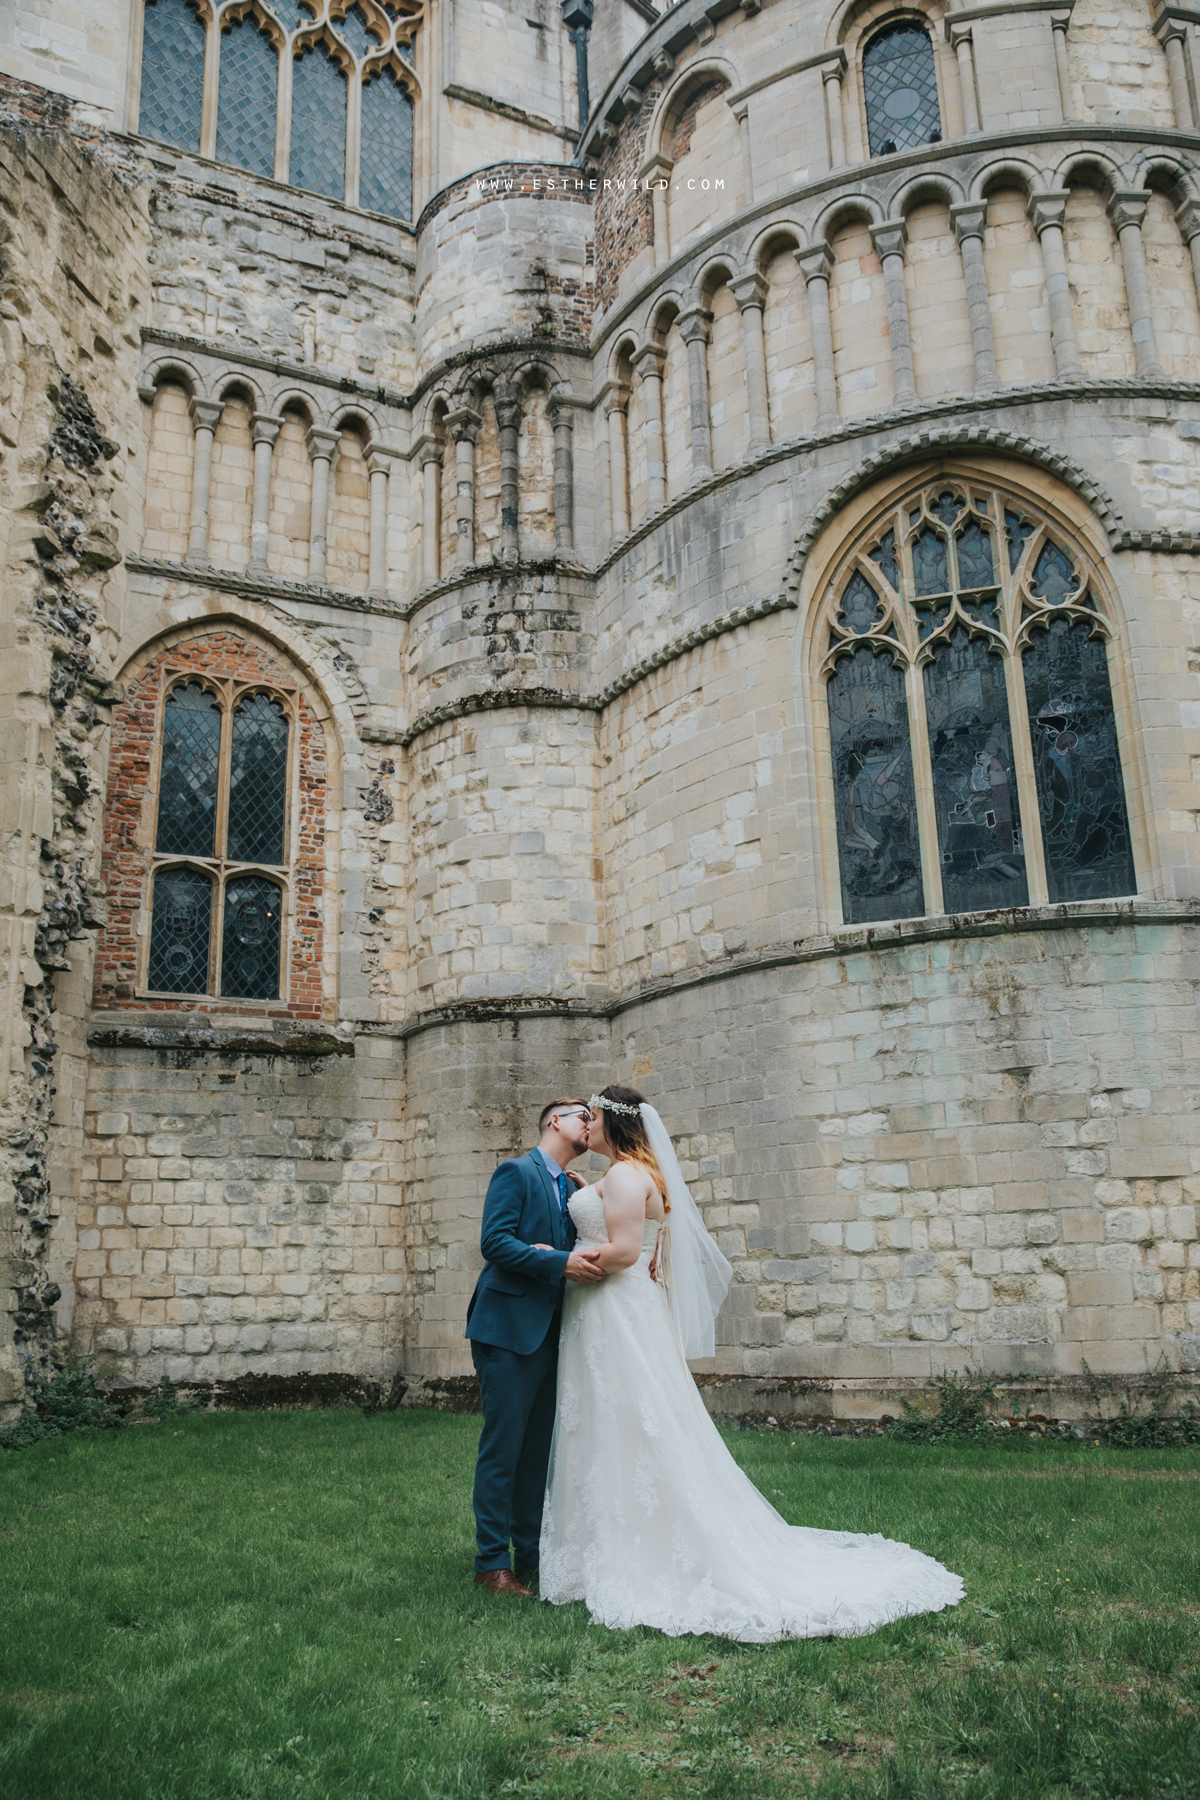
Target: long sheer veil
pixel 695 1273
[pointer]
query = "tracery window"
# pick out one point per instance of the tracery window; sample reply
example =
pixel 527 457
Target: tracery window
pixel 974 747
pixel 318 93
pixel 900 89
pixel 220 865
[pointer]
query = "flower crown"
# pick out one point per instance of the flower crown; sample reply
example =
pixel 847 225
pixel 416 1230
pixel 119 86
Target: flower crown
pixel 617 1106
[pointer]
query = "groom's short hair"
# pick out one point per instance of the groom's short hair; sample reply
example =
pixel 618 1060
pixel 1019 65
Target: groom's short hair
pixel 551 1107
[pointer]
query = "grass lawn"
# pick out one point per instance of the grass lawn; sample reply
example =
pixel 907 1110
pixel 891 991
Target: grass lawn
pixel 280 1604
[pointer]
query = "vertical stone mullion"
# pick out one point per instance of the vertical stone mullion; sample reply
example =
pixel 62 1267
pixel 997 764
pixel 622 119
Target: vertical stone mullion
pixel 1047 212
pixel 283 112
pixel 694 329
pixel 206 416
pixel 969 223
pixel 1127 209
pixel 508 419
pixel 354 88
pixel 888 240
pixel 265 429
pixel 750 292
pixel 964 51
pixel 649 363
pixel 831 83
pixel 212 85
pixel 463 426
pixel 562 420
pixel 1059 22
pixel 1027 794
pixel 322 448
pixel 918 731
pixel 815 265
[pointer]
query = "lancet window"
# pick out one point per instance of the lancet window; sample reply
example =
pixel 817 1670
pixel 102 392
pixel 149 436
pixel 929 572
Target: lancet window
pixel 221 866
pixel 318 93
pixel 973 740
pixel 900 89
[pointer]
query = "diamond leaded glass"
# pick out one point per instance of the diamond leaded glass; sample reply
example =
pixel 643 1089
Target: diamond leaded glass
pixel 974 784
pixel 355 32
pixel 318 159
pixel 250 946
pixel 292 14
pixel 246 101
pixel 172 74
pixel 181 932
pixel 879 850
pixel 1081 796
pixel 187 795
pixel 385 183
pixel 258 781
pixel 900 88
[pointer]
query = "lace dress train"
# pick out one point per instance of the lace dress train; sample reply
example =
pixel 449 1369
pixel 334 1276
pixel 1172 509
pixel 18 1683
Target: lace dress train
pixel 650 1520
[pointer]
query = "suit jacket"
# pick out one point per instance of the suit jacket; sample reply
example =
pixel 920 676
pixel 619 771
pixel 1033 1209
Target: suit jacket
pixel 520 1288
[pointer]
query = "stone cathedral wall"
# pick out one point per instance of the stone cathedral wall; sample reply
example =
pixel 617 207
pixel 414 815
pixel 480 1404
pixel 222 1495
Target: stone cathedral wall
pixel 541 503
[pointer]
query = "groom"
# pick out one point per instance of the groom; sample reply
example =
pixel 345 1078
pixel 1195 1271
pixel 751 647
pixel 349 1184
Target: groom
pixel 512 1323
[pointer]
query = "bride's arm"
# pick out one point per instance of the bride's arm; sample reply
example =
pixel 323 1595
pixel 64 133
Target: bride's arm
pixel 624 1217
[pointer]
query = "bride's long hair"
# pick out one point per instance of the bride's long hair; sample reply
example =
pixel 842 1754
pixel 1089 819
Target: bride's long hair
pixel 626 1132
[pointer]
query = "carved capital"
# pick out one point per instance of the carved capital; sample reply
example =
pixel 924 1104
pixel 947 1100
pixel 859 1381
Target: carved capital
pixel 265 428
pixel 380 458
pixel 205 414
pixel 664 64
pixel 427 449
pixel 815 262
pixel 147 392
pixel 463 424
pixel 508 412
pixel 321 444
pixel 888 238
pixel 1060 18
pixel 1167 26
pixel 1127 206
pixel 656 168
pixel 695 325
pixel 614 397
pixel 649 362
pixel 1047 211
pixel 750 290
pixel 969 219
pixel 560 409
pixel 957 34
pixel 703 30
pixel 1187 217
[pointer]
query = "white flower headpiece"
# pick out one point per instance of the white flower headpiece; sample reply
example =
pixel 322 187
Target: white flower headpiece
pixel 618 1106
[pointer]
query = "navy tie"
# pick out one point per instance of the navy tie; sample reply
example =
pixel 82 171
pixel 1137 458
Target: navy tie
pixel 562 1200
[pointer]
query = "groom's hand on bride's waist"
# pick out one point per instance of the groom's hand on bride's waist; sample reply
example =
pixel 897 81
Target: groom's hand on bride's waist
pixel 584 1266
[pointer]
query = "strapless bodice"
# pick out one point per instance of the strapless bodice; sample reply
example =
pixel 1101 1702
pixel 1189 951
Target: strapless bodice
pixel 587 1210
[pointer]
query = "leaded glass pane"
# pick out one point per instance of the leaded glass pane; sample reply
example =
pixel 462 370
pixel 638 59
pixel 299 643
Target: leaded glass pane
pixel 1053 576
pixel 947 507
pixel 1018 530
pixel 246 102
pixel 875 804
pixel 900 87
pixel 257 781
pixel 187 794
pixel 860 604
pixel 884 554
pixel 172 74
pixel 291 13
pixel 250 948
pixel 930 568
pixel 1081 796
pixel 385 181
pixel 975 568
pixel 353 29
pixel 974 785
pixel 180 932
pixel 318 160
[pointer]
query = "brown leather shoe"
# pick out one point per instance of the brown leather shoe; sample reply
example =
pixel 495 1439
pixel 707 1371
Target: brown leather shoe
pixel 502 1581
pixel 528 1578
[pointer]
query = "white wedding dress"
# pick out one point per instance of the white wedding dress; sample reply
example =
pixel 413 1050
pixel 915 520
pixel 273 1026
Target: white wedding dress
pixel 651 1522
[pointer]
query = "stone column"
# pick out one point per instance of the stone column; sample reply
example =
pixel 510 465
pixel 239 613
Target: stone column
pixel 831 82
pixel 1172 35
pixel 1058 24
pixel 508 418
pixel 1187 217
pixel 741 113
pixel 428 452
pixel 970 220
pixel 206 416
pixel 463 426
pixel 265 428
pixel 322 448
pixel 649 363
pixel 658 172
pixel 960 38
pixel 815 265
pixel 1127 209
pixel 694 329
pixel 615 400
pixel 750 292
pixel 888 240
pixel 378 469
pixel 1047 211
pixel 562 419
pixel 353 140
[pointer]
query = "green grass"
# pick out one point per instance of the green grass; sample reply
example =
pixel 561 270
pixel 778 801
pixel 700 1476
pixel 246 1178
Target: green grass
pixel 234 1606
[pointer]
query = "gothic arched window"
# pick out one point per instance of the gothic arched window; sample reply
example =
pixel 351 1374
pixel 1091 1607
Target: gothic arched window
pixel 387 146
pixel 900 89
pixel 220 864
pixel 172 73
pixel 318 123
pixel 973 741
pixel 246 104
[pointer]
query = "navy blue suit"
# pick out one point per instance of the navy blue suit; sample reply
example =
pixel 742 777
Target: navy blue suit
pixel 513 1322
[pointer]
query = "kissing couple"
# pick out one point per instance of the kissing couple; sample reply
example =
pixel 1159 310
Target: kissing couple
pixel 598 1463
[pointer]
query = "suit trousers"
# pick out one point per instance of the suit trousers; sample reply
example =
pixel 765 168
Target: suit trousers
pixel 518 1395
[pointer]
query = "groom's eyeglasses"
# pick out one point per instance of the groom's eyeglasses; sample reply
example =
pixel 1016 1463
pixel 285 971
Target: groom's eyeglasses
pixel 577 1112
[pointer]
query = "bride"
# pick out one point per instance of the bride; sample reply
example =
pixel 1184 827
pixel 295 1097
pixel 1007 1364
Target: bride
pixel 648 1518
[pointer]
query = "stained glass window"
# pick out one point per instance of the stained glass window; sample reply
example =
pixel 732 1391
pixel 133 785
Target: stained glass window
pixel 172 73
pixel 385 182
pixel 974 786
pixel 258 781
pixel 292 13
pixel 246 104
pixel 318 159
pixel 1081 795
pixel 900 88
pixel 252 929
pixel 878 845
pixel 181 932
pixel 941 818
pixel 187 795
pixel 223 801
pixel 354 31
